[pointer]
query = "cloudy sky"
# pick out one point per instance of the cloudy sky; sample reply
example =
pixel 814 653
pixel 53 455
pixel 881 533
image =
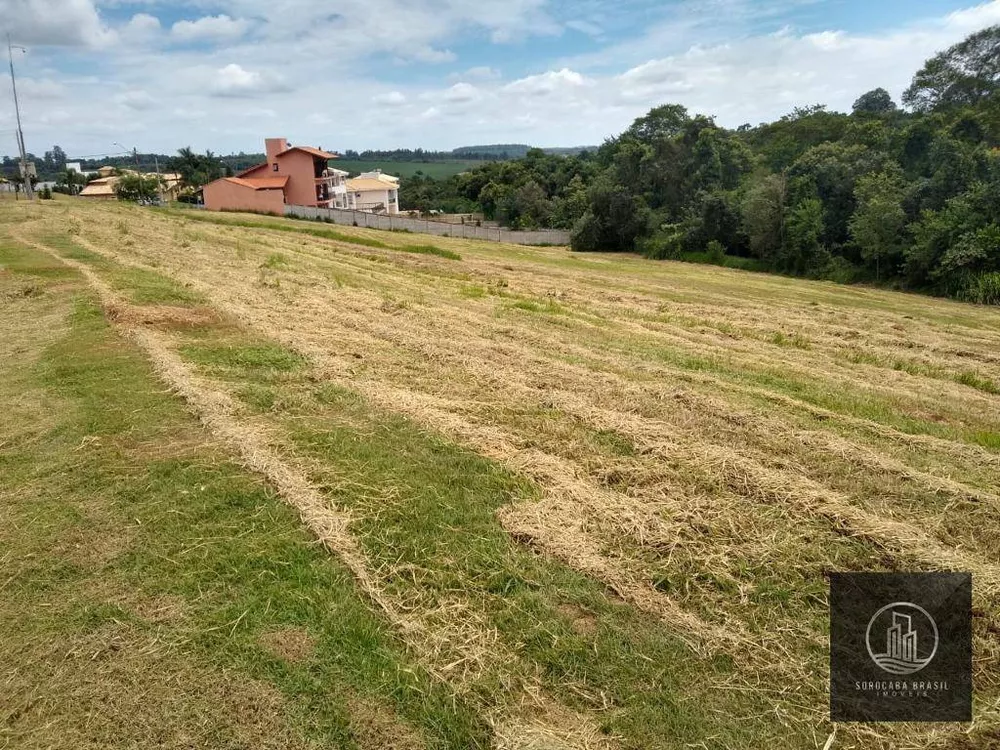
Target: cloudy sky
pixel 223 74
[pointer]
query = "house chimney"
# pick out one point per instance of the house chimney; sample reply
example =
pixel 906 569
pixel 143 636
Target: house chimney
pixel 273 147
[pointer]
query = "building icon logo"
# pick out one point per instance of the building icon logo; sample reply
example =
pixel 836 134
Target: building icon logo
pixel 902 638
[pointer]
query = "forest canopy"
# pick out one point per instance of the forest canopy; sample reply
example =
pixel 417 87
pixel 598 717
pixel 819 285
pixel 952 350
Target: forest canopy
pixel 908 197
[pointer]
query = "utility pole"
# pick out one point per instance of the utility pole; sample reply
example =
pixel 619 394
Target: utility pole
pixel 156 161
pixel 29 193
pixel 159 182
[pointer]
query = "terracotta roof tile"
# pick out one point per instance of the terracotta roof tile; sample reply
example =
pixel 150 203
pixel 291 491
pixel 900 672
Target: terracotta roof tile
pixel 367 183
pixel 310 150
pixel 102 189
pixel 251 170
pixel 259 183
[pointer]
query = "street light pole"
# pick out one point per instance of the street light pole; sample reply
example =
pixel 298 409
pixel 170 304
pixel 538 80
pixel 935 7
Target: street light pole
pixel 29 193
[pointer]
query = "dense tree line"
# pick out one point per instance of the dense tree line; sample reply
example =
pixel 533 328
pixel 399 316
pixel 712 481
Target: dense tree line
pixel 903 197
pixel 538 190
pixel 492 152
pixel 487 153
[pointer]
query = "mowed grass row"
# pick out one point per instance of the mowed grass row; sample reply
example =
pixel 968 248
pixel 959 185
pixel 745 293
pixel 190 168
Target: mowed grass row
pixel 154 593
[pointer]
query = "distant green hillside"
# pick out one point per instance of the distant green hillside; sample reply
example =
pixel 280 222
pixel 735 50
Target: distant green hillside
pixel 436 169
pixel 516 150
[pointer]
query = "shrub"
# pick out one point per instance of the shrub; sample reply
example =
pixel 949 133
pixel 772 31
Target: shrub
pixel 586 234
pixel 716 252
pixel 840 269
pixel 664 245
pixel 983 288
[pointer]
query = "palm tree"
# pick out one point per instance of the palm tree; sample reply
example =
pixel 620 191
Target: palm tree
pixel 195 170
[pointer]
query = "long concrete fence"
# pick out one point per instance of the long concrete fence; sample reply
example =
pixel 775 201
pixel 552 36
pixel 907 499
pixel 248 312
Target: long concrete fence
pixel 439 228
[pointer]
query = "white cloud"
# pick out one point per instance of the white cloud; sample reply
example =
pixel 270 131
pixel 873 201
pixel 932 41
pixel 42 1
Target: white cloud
pixel 182 113
pixel 713 56
pixel 584 27
pixel 236 81
pixel 967 20
pixel 478 73
pixel 428 54
pixel 548 83
pixel 219 27
pixel 55 22
pixel 759 78
pixel 390 99
pixel 137 100
pixel 141 26
pixel 40 89
pixel 461 92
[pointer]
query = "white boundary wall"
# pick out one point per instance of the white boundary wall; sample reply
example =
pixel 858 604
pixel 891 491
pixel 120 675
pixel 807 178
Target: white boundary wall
pixel 439 228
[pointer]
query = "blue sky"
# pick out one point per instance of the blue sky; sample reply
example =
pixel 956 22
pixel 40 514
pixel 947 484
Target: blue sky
pixel 224 74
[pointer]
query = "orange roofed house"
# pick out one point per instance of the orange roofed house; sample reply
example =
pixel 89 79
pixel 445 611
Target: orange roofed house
pixel 298 175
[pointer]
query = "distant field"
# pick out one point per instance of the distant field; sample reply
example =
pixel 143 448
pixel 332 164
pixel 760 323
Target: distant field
pixel 566 501
pixel 435 169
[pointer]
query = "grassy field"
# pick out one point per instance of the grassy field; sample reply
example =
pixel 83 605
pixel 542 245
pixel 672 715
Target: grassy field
pixel 562 500
pixel 439 170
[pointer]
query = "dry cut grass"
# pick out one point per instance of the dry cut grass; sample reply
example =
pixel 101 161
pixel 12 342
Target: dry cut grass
pixel 707 443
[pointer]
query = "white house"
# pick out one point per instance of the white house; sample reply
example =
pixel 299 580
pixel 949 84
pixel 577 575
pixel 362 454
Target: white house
pixel 378 174
pixel 336 189
pixel 374 192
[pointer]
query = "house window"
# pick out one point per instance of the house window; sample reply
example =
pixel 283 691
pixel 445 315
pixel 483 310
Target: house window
pixel 274 167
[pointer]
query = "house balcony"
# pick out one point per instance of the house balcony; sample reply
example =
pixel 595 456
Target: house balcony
pixel 331 184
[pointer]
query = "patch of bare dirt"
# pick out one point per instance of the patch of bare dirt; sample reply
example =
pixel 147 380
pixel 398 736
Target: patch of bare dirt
pixel 583 622
pixel 292 644
pixel 160 609
pixel 163 316
pixel 379 728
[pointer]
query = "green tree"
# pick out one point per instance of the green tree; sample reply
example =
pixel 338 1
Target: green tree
pixel 572 205
pixel 196 169
pixel 764 216
pixel 964 74
pixel 137 188
pixel 532 206
pixel 665 121
pixel 804 251
pixel 875 102
pixel 830 172
pixel 878 227
pixel 614 221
